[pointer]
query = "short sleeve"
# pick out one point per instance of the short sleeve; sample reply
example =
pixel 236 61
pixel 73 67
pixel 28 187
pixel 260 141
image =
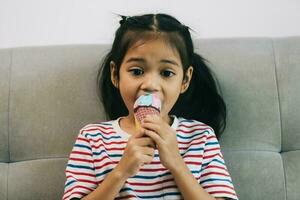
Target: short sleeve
pixel 215 178
pixel 80 171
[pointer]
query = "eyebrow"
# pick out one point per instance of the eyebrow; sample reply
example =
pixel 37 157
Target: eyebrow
pixel 138 59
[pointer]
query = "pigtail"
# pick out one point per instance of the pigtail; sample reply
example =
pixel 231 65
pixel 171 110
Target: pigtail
pixel 202 100
pixel 108 93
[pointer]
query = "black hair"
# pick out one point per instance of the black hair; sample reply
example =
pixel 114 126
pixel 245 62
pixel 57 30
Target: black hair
pixel 201 101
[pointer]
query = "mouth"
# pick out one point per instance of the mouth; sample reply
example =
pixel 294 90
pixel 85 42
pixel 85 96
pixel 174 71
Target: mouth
pixel 148 100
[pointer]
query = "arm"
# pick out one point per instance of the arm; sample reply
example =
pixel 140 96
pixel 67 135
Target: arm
pixel 188 185
pixel 109 188
pixel 166 141
pixel 139 151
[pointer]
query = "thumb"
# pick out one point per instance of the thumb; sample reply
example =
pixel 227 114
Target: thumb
pixel 140 133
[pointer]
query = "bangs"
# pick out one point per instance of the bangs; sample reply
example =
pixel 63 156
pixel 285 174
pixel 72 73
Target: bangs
pixel 133 39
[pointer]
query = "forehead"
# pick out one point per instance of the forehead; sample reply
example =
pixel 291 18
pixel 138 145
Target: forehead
pixel 156 47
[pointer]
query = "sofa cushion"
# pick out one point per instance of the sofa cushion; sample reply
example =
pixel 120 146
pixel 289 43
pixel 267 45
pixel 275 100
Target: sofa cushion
pixel 53 94
pixel 36 179
pixel 246 73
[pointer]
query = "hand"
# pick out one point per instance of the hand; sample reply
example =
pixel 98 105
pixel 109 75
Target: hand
pixel 165 138
pixel 139 151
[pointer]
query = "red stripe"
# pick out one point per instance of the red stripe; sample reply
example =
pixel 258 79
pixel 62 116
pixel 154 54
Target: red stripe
pixel 192 156
pixel 222 192
pixel 108 149
pixel 150 184
pixel 104 165
pixel 191 126
pixel 81 160
pixel 153 170
pixel 191 144
pixel 125 197
pixel 214 173
pixel 157 189
pixel 191 131
pixel 101 159
pixel 80 173
pixel 107 143
pixel 81 153
pixel 188 142
pixel 105 132
pixel 100 127
pixel 83 139
pixel 217 185
pixel 80 193
pixel 110 143
pixel 214 166
pixel 193 163
pixel 75 187
pixel 211 156
pixel 212 149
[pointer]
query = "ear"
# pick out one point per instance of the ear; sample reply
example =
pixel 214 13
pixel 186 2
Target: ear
pixel 114 74
pixel 187 79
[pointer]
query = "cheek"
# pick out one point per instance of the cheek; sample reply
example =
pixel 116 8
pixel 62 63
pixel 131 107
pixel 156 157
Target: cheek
pixel 170 99
pixel 128 93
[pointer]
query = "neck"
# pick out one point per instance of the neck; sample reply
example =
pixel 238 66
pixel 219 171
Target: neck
pixel 128 124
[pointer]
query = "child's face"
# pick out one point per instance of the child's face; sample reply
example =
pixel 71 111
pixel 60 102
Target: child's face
pixel 152 66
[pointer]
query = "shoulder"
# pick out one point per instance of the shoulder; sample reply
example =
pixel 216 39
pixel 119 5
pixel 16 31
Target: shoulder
pixel 194 125
pixel 97 129
pixel 189 130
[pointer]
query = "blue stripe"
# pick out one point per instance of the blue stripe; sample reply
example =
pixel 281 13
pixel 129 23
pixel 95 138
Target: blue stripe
pixel 187 120
pixel 106 123
pixel 99 134
pixel 67 184
pixel 81 167
pixel 213 160
pixel 98 153
pixel 194 149
pixel 83 146
pixel 192 136
pixel 151 177
pixel 152 196
pixel 161 195
pixel 103 173
pixel 211 143
pixel 215 179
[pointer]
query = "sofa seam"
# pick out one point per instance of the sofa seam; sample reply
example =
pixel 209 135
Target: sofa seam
pixel 8 104
pixel 280 112
pixel 36 159
pixel 8 118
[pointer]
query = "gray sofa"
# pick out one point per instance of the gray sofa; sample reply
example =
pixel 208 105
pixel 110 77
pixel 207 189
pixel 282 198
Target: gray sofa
pixel 48 93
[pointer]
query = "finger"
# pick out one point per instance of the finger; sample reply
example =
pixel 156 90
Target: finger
pixel 146 159
pixel 139 134
pixel 152 127
pixel 148 151
pixel 155 137
pixel 145 141
pixel 152 118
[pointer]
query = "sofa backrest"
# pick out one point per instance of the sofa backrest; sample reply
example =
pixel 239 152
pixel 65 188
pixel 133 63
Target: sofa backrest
pixel 48 93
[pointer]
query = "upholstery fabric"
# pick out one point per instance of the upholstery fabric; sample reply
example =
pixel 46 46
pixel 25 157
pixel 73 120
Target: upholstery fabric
pixel 48 93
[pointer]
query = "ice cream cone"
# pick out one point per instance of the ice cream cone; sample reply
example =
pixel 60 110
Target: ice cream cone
pixel 148 104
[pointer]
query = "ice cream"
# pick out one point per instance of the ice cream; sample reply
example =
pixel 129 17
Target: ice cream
pixel 147 104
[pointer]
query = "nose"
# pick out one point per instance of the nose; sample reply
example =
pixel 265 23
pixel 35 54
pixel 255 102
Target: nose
pixel 150 83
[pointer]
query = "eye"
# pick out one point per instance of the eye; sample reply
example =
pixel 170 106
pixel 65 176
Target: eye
pixel 136 71
pixel 167 73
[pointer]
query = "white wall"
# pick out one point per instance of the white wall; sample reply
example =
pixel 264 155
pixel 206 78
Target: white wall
pixel 51 22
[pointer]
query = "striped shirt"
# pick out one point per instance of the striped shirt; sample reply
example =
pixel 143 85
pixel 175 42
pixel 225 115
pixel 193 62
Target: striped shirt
pixel 99 147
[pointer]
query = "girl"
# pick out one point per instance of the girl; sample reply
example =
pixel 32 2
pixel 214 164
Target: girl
pixel 175 155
